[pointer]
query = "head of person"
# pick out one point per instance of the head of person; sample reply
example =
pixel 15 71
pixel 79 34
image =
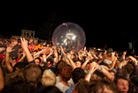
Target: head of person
pixel 37 61
pixel 48 78
pixel 31 40
pixel 50 62
pixel 102 86
pixel 66 72
pixel 122 84
pixel 18 66
pixel 78 62
pixel 32 74
pixel 81 87
pixel 59 66
pixel 17 85
pixel 14 41
pixel 77 74
pixel 110 51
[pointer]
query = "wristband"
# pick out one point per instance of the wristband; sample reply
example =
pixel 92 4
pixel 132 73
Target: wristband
pixel 45 60
pixel 89 72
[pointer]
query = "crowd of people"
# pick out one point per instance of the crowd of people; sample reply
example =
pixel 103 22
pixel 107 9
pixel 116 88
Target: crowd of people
pixel 27 66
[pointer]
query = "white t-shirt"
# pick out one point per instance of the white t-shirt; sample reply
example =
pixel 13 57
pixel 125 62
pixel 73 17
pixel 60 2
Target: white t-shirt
pixel 62 87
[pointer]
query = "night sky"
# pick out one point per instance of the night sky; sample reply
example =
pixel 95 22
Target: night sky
pixel 112 24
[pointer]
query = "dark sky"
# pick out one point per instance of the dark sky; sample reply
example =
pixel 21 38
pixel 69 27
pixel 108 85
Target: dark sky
pixel 111 24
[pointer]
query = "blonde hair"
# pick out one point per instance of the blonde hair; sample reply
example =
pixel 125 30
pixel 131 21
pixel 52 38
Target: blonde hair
pixel 48 78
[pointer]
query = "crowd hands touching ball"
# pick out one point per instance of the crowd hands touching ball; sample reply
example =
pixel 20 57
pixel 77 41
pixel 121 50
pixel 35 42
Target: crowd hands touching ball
pixel 28 65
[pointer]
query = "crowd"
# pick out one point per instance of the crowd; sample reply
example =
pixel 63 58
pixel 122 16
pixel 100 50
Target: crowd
pixel 27 66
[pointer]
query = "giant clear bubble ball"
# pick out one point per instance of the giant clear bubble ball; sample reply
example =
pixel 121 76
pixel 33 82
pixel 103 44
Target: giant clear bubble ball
pixel 70 36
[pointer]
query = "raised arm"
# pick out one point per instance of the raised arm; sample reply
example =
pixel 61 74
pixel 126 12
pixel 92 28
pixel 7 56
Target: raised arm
pixel 71 62
pixel 106 72
pixel 93 68
pixel 135 61
pixel 119 69
pixel 24 45
pixel 86 61
pixel 56 59
pixel 1 79
pixel 7 59
pixel 22 58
